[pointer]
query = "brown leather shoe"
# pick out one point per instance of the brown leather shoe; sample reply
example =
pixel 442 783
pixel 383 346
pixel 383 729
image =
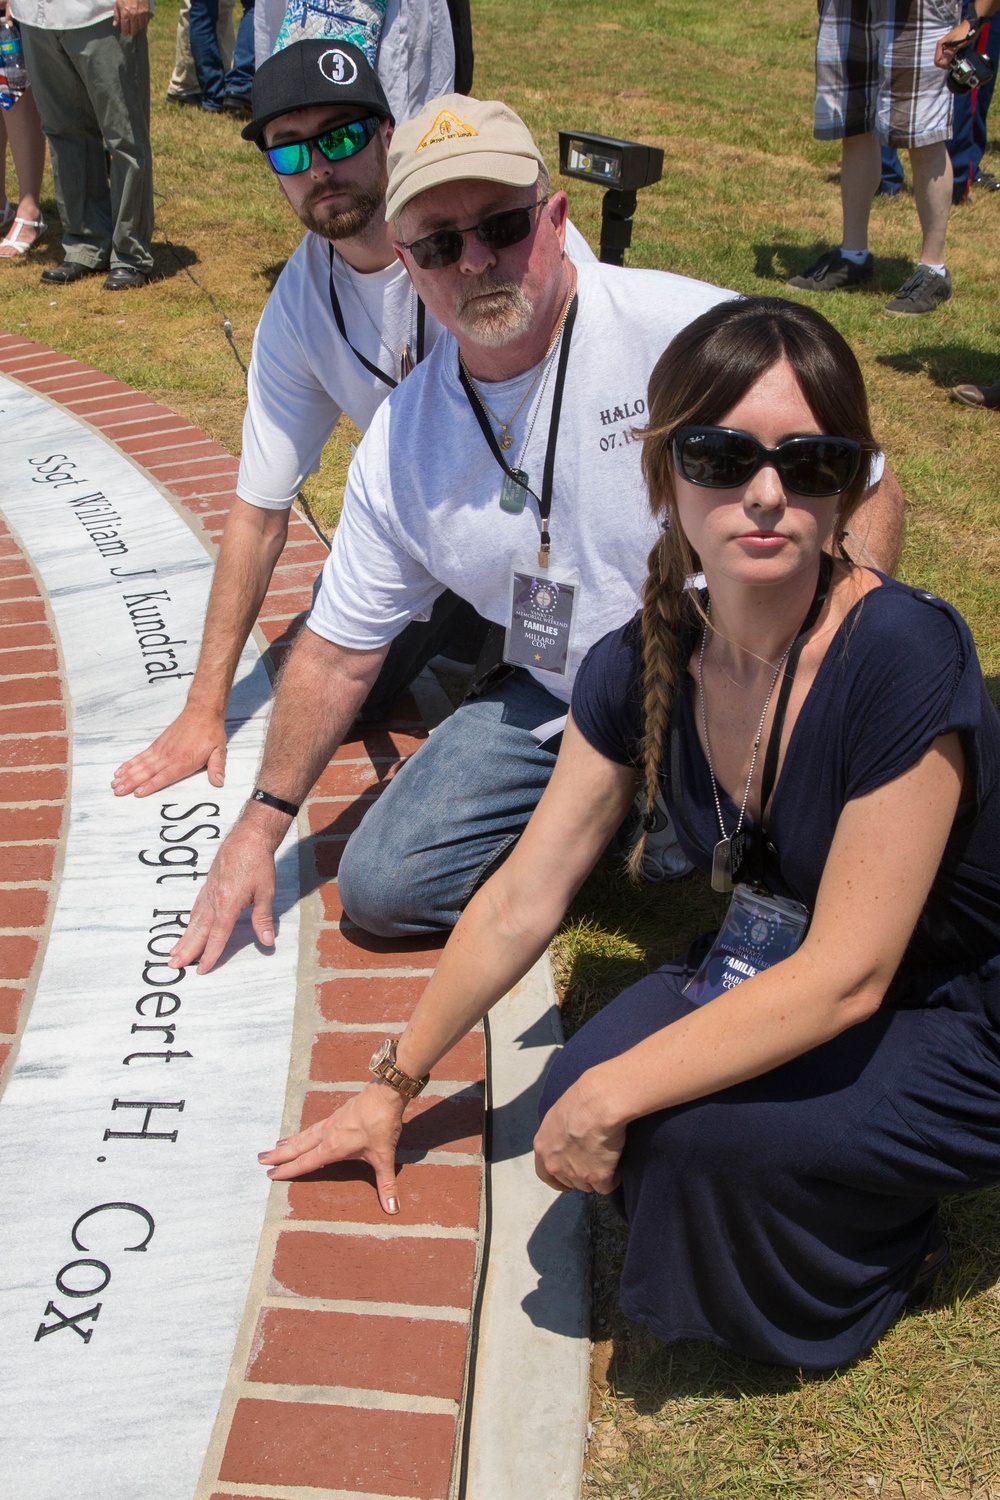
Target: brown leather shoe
pixel 987 396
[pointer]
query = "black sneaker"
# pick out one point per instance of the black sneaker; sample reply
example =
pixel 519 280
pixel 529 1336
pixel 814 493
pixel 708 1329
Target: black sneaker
pixel 833 272
pixel 925 290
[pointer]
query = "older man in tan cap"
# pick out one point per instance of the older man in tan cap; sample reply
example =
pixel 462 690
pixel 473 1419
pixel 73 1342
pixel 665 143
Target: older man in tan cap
pixel 506 469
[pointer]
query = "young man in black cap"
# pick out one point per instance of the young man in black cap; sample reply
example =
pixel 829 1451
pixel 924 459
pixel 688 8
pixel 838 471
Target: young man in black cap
pixel 341 329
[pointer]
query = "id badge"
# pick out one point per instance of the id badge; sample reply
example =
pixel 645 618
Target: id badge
pixel 542 611
pixel 758 932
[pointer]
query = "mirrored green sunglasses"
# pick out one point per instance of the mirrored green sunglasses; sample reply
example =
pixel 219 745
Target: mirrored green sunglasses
pixel 337 143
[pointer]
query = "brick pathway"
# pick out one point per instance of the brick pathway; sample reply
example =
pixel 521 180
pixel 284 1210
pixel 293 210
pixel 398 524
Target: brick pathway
pixel 348 1373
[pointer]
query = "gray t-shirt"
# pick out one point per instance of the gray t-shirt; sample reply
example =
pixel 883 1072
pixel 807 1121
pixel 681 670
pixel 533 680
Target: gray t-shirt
pixel 421 509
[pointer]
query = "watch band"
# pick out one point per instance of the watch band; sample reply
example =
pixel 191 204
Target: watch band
pixel 278 803
pixel 383 1065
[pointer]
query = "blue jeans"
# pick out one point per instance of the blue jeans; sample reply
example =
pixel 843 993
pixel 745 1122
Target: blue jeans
pixel 451 815
pixel 214 83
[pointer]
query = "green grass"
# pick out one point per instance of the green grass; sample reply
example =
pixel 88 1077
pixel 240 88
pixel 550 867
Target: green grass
pixel 747 198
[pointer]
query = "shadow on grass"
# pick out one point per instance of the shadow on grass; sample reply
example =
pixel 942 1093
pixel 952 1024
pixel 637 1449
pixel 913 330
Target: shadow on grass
pixel 171 259
pixel 779 260
pixel 270 274
pixel 652 1374
pixel 946 364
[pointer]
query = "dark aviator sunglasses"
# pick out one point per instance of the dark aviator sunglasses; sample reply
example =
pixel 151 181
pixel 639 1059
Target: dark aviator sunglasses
pixel 443 248
pixel 720 458
pixel 336 144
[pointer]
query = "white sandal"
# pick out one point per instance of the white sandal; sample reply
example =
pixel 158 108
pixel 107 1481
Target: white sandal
pixel 12 241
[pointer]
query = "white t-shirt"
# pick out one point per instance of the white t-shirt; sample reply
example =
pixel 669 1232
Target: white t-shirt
pixel 421 511
pixel 416 54
pixel 303 375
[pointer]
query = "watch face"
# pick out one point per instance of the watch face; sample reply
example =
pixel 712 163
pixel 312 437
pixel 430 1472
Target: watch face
pixel 384 1050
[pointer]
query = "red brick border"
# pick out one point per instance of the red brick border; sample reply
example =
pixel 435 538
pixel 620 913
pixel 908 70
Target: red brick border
pixel 350 1370
pixel 34 757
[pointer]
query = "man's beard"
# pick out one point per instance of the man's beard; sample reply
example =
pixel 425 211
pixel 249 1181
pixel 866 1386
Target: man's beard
pixel 367 209
pixel 492 311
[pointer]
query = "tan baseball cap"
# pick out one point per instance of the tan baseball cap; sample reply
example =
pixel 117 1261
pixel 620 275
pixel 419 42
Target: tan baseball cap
pixel 456 137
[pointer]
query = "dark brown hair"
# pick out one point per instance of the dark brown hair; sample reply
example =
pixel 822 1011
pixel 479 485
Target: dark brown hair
pixel 701 375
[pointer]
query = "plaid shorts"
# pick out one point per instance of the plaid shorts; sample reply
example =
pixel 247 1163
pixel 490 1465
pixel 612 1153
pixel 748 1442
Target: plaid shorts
pixel 875 70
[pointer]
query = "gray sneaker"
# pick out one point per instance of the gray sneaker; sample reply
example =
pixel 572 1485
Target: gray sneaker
pixel 925 290
pixel 833 272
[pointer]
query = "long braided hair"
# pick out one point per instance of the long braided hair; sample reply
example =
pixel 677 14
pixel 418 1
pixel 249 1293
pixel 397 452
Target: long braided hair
pixel 702 374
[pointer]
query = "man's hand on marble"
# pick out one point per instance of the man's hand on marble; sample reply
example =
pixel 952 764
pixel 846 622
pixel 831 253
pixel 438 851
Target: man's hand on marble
pixel 365 1129
pixel 242 875
pixel 195 741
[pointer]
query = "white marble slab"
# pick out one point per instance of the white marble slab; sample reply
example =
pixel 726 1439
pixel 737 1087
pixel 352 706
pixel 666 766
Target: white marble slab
pixel 120 1402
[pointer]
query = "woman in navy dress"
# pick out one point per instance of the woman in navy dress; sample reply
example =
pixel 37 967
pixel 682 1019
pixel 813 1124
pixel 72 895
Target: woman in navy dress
pixel 779 1152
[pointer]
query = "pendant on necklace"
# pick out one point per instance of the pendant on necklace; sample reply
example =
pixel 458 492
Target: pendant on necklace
pixel 405 362
pixel 514 492
pixel 505 440
pixel 727 861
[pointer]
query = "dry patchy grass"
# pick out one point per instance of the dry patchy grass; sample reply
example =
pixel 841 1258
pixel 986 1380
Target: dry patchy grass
pixel 748 197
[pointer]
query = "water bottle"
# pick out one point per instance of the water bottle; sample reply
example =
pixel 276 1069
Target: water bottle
pixel 11 65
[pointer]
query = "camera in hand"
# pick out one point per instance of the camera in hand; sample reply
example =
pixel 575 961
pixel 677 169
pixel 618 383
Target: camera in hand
pixel 969 70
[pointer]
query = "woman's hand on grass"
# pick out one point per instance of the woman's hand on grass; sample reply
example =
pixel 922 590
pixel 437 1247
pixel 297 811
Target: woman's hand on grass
pixel 365 1129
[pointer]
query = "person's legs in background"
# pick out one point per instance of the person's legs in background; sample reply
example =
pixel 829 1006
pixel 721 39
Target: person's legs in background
pixel 892 173
pixel 847 76
pixel 116 70
pixel 202 23
pixel 22 129
pixel 968 134
pixel 239 79
pixel 932 184
pixel 184 87
pixel 914 109
pixel 76 149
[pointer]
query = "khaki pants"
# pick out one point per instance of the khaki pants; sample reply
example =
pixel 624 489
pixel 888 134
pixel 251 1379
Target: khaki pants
pixel 185 79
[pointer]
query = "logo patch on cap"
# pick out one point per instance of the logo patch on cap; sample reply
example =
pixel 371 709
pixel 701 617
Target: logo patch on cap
pixel 338 67
pixel 447 127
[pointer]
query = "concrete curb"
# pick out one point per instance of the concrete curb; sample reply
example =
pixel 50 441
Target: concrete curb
pixel 529 1372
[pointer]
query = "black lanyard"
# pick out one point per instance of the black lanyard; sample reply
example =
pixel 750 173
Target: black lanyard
pixel 545 502
pixel 338 318
pixel 758 843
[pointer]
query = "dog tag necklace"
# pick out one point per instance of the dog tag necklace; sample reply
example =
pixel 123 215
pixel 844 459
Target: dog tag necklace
pixel 730 851
pixel 404 361
pixel 514 490
pixel 561 341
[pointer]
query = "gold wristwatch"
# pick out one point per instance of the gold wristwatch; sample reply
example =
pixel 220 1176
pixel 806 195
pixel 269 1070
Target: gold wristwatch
pixel 383 1065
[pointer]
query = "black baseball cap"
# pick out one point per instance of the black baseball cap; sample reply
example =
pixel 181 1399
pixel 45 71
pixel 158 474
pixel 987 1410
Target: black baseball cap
pixel 319 70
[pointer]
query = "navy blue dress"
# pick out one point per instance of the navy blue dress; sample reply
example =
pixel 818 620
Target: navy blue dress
pixel 787 1217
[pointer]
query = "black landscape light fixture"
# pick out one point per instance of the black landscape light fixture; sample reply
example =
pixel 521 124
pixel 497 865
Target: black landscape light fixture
pixel 623 167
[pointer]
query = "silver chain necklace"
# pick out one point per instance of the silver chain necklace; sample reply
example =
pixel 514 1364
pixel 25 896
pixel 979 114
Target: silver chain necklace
pixel 727 856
